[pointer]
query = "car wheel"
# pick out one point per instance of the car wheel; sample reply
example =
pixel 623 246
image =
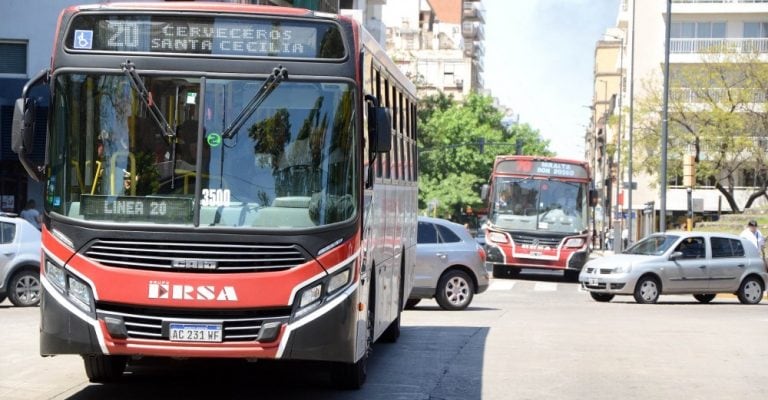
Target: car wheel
pixel 750 291
pixel 704 298
pixel 454 290
pixel 503 271
pixel 104 369
pixel 410 304
pixel 647 290
pixel 601 297
pixel 24 288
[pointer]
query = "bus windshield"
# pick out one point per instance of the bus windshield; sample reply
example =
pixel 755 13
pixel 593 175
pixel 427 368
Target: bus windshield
pixel 539 205
pixel 291 165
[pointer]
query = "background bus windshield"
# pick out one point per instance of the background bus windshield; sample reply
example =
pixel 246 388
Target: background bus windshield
pixel 535 204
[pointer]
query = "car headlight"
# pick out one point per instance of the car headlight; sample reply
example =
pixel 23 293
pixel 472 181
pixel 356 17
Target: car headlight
pixel 622 269
pixel 497 237
pixel 574 242
pixel 80 294
pixel 55 275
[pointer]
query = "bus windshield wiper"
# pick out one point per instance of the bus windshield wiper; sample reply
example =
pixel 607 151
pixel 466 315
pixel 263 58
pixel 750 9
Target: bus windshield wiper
pixel 277 76
pixel 129 69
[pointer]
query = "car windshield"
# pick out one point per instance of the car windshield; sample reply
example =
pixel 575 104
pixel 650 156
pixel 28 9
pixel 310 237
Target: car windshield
pixel 290 165
pixel 654 245
pixel 540 205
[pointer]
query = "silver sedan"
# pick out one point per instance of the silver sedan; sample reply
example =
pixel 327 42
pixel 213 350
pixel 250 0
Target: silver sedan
pixel 697 263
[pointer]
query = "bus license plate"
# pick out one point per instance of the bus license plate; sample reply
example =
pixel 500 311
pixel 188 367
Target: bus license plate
pixel 194 332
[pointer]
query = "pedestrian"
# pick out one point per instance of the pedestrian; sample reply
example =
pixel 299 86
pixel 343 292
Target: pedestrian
pixel 31 214
pixel 754 235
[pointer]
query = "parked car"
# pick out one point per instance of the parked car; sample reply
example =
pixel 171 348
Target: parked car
pixel 449 265
pixel 697 263
pixel 19 262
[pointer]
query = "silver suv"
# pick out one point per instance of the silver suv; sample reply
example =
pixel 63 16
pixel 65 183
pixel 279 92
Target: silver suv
pixel 19 262
pixel 449 265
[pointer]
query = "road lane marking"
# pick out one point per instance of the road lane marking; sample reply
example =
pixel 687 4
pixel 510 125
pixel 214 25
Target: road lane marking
pixel 545 287
pixel 500 285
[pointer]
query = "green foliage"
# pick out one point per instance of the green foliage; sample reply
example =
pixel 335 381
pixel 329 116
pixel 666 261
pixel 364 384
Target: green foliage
pixel 452 167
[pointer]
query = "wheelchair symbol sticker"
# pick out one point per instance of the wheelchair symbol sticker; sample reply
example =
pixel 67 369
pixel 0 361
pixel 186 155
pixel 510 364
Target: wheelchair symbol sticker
pixel 83 40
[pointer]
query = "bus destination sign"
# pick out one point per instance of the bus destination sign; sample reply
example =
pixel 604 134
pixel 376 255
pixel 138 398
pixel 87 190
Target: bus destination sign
pixel 542 168
pixel 250 37
pixel 137 209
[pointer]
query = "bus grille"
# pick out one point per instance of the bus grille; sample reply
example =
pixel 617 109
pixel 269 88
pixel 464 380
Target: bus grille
pixel 535 240
pixel 192 257
pixel 237 325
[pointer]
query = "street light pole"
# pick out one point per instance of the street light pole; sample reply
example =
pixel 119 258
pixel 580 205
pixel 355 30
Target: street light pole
pixel 665 126
pixel 617 232
pixel 604 174
pixel 631 120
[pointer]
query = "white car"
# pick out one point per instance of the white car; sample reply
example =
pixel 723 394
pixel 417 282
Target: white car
pixel 699 263
pixel 19 262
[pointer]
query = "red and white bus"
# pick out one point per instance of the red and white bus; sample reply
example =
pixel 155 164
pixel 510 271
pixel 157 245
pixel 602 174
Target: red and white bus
pixel 222 180
pixel 538 215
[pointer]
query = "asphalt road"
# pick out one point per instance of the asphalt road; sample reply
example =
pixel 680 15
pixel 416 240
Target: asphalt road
pixel 536 337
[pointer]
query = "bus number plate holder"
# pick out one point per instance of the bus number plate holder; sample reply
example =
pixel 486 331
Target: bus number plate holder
pixel 183 332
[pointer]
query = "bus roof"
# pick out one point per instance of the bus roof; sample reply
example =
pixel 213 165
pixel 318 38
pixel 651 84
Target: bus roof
pixel 195 6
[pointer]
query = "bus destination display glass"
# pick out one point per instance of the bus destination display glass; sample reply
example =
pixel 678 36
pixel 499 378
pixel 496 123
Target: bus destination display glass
pixel 223 36
pixel 533 167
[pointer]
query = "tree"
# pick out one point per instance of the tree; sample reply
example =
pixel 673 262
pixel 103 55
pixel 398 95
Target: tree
pixel 716 112
pixel 457 147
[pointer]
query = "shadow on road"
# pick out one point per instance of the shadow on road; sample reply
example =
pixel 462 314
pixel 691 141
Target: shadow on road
pixel 541 276
pixel 427 362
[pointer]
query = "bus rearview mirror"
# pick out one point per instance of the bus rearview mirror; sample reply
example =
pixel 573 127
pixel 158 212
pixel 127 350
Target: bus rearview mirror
pixel 23 128
pixel 380 130
pixel 484 192
pixel 593 197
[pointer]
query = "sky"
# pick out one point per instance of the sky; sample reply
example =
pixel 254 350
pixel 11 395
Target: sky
pixel 539 61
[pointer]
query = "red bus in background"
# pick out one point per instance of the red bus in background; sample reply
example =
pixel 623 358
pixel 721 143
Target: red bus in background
pixel 222 180
pixel 538 215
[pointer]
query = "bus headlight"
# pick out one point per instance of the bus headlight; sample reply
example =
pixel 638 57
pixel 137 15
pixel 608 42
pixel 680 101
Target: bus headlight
pixel 311 295
pixel 574 242
pixel 338 281
pixel 497 237
pixel 80 294
pixel 55 275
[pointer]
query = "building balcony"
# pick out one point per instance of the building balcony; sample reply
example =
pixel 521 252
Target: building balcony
pixel 474 49
pixel 473 11
pixel 473 30
pixel 718 45
pixel 714 95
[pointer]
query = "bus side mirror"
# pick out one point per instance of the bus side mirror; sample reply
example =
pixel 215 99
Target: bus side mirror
pixel 593 197
pixel 23 128
pixel 484 192
pixel 23 135
pixel 380 129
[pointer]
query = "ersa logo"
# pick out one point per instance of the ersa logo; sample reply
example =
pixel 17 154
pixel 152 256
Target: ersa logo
pixel 166 290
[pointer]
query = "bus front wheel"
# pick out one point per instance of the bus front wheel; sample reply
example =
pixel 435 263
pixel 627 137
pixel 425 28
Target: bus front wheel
pixel 104 369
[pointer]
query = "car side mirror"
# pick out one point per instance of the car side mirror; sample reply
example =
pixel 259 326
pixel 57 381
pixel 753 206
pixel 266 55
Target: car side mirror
pixel 676 255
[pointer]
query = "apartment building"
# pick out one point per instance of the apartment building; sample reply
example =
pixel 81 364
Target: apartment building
pixel 701 31
pixel 437 43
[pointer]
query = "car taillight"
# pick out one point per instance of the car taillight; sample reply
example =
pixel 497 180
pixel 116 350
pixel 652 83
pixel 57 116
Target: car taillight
pixel 481 252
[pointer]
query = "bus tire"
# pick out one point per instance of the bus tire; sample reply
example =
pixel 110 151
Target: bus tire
pixel 351 376
pixel 104 369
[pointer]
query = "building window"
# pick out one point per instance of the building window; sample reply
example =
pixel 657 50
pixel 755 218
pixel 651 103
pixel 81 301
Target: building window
pixel 700 30
pixel 14 59
pixel 756 29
